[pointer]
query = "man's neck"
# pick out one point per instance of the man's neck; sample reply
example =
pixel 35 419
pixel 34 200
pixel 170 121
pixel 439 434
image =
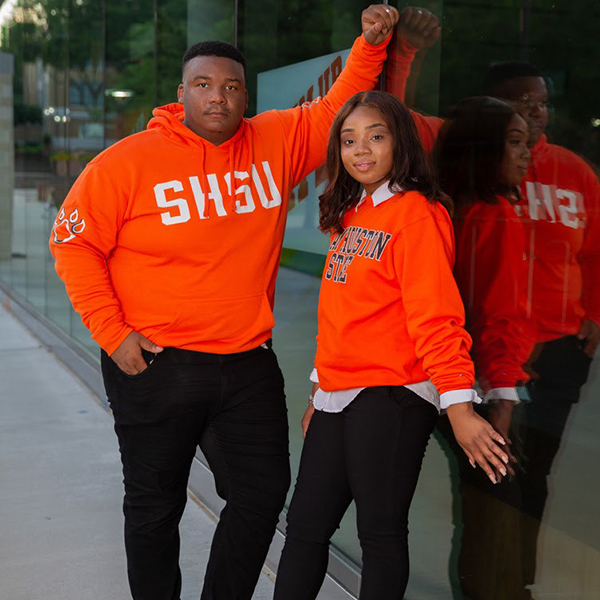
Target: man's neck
pixel 216 138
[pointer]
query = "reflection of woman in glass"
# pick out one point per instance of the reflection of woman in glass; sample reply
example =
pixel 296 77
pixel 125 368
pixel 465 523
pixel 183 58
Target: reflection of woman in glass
pixel 391 351
pixel 482 157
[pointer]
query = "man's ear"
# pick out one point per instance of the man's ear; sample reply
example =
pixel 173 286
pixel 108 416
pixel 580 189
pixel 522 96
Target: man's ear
pixel 180 93
pixel 246 91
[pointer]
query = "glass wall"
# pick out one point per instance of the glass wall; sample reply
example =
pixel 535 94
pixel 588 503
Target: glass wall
pixel 86 73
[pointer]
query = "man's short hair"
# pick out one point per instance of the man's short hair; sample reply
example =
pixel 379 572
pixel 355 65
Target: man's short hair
pixel 214 48
pixel 505 71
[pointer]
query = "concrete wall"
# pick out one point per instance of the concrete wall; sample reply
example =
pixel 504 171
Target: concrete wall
pixel 7 165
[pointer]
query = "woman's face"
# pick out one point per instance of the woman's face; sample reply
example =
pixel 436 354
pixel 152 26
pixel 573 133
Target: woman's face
pixel 516 153
pixel 367 147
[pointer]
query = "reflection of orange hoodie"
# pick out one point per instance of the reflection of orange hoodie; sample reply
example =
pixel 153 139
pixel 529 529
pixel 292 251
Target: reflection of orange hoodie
pixel 492 274
pixel 166 234
pixel 560 209
pixel 397 71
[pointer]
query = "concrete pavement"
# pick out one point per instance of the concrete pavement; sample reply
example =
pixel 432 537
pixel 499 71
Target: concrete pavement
pixel 60 486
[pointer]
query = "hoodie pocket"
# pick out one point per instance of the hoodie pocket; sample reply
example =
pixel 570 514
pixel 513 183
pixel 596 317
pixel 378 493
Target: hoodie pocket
pixel 229 320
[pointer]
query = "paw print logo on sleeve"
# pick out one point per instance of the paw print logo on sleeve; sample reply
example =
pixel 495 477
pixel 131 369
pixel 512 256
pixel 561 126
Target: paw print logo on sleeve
pixel 66 228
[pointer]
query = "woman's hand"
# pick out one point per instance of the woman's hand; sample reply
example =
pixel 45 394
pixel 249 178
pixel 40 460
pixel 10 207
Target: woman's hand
pixel 480 442
pixel 310 409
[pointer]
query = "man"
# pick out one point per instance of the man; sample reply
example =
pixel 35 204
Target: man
pixel 169 245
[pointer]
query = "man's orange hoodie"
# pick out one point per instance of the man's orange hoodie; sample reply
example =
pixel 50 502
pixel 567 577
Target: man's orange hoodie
pixel 560 209
pixel 168 235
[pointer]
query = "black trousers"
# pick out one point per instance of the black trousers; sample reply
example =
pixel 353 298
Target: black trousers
pixel 233 407
pixel 371 452
pixel 500 523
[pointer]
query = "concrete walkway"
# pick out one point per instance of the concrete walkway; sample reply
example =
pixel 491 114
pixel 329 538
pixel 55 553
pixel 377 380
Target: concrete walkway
pixel 60 486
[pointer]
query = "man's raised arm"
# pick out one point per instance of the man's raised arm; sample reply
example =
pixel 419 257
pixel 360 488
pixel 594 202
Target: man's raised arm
pixel 306 127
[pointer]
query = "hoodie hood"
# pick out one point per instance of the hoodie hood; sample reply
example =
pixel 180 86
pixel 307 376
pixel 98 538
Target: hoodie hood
pixel 540 147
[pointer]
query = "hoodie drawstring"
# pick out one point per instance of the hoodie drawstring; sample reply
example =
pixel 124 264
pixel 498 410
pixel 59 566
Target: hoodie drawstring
pixel 206 204
pixel 232 177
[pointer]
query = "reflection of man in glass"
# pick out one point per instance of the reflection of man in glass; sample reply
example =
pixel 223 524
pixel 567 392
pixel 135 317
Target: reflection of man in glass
pixel 174 274
pixel 560 208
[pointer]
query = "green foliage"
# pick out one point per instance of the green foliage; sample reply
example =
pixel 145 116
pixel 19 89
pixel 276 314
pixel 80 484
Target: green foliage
pixel 132 52
pixel 60 155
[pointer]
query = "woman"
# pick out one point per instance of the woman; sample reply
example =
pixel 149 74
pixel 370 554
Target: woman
pixel 391 352
pixel 482 157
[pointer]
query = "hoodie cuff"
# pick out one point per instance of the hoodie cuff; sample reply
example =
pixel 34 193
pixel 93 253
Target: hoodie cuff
pixel 111 337
pixel 364 46
pixel 408 50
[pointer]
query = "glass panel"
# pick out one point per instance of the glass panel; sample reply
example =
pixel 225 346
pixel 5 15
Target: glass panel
pixel 36 243
pixel 40 121
pixel 208 20
pixel 7 167
pixel 171 45
pixel 130 90
pixel 532 536
pixel 294 53
pixel 58 306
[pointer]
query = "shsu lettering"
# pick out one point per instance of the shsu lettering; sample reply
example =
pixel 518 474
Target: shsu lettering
pixel 179 208
pixel 549 203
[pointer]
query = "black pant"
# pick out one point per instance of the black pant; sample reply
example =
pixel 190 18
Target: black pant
pixel 501 523
pixel 233 406
pixel 372 453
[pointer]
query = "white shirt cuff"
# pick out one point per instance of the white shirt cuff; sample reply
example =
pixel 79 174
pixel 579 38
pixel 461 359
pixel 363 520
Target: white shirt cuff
pixel 314 376
pixel 505 393
pixel 457 397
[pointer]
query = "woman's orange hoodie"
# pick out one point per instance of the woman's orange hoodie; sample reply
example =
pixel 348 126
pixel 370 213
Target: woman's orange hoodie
pixel 390 312
pixel 168 235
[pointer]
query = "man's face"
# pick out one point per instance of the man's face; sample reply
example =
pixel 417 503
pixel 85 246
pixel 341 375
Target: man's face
pixel 214 96
pixel 529 97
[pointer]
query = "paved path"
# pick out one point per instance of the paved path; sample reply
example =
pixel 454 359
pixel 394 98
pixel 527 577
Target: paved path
pixel 60 486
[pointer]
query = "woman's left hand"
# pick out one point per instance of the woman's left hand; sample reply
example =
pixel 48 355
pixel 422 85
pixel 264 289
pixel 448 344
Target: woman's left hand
pixel 306 419
pixel 480 442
